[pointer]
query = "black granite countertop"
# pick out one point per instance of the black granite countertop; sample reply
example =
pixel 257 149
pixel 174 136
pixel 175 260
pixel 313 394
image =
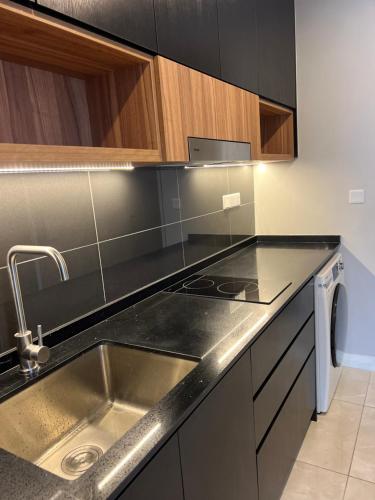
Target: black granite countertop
pixel 213 330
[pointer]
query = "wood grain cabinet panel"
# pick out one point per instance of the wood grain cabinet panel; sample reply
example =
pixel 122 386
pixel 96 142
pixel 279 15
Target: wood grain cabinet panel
pixel 187 32
pixel 192 104
pixel 217 441
pixel 276 51
pixel 131 20
pixel 160 479
pixel 238 43
pixel 69 95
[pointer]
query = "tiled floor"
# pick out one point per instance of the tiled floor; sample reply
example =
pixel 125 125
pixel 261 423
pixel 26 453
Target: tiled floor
pixel 337 458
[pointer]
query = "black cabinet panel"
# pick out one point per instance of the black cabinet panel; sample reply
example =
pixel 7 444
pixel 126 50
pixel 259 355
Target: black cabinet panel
pixel 280 449
pixel 274 341
pixel 187 32
pixel 272 395
pixel 132 20
pixel 217 442
pixel 161 478
pixel 276 50
pixel 238 43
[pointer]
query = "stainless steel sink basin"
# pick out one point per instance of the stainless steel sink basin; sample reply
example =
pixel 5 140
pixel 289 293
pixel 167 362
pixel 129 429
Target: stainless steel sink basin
pixel 67 420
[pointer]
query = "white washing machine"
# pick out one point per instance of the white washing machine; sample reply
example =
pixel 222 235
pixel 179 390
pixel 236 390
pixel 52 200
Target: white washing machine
pixel 329 288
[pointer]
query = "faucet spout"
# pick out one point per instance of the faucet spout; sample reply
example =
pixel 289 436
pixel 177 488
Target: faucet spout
pixel 29 355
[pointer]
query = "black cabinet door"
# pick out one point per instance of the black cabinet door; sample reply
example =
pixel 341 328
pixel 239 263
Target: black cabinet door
pixel 160 479
pixel 280 449
pixel 217 443
pixel 276 50
pixel 132 20
pixel 238 43
pixel 187 32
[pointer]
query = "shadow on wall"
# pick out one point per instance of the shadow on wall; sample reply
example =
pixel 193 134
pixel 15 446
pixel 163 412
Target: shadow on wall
pixel 356 313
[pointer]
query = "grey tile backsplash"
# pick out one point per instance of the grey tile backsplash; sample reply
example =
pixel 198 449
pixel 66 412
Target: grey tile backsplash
pixel 118 231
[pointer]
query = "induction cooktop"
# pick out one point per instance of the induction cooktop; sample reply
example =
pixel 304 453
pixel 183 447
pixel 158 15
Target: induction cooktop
pixel 225 287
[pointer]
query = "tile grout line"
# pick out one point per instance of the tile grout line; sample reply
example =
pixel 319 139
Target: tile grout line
pixel 129 234
pixel 356 438
pixel 179 211
pixel 328 470
pixel 346 487
pixel 44 257
pixel 320 467
pixel 97 237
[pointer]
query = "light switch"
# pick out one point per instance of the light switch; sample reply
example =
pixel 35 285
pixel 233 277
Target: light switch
pixel 357 196
pixel 231 200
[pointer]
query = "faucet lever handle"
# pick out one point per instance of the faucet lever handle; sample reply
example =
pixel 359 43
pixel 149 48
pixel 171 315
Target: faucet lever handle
pixel 39 331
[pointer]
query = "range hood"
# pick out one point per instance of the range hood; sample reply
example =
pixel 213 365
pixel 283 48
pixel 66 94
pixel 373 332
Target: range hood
pixel 212 152
pixel 202 153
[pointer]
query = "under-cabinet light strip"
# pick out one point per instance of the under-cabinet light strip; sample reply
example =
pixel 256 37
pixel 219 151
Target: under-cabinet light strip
pixel 31 168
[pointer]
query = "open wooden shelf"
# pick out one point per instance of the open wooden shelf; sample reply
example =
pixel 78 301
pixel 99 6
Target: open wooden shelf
pixel 276 132
pixel 67 95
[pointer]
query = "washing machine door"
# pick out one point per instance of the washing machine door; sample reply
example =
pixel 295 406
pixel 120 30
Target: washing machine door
pixel 339 289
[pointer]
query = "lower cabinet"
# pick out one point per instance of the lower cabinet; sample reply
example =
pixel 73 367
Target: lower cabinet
pixel 217 443
pixel 160 479
pixel 220 452
pixel 280 449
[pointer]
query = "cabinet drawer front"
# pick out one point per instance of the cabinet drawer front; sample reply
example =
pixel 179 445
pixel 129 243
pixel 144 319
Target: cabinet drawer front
pixel 280 449
pixel 271 345
pixel 272 395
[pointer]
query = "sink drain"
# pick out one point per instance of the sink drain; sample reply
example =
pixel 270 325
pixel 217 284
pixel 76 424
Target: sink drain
pixel 80 459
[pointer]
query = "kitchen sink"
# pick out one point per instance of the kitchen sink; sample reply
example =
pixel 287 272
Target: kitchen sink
pixel 67 420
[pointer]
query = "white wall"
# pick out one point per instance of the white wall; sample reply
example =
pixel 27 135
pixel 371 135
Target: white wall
pixel 336 124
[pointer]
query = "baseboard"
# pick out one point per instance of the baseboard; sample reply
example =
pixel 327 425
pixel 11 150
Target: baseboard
pixel 356 360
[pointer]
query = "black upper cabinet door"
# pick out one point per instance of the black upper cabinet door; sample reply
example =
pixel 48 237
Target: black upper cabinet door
pixel 238 43
pixel 131 20
pixel 160 479
pixel 187 32
pixel 276 51
pixel 217 444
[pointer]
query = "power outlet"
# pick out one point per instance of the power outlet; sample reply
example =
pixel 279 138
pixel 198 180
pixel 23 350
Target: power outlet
pixel 231 200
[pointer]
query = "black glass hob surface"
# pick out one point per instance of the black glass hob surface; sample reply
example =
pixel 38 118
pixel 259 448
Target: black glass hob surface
pixel 225 287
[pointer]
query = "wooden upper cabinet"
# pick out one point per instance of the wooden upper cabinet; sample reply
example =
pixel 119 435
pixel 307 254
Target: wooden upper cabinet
pixel 131 20
pixel 83 98
pixel 192 104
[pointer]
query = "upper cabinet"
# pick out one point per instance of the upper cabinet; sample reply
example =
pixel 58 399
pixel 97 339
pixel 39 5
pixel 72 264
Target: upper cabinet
pixel 132 20
pixel 249 43
pixel 187 32
pixel 238 43
pixel 69 96
pixel 192 104
pixel 276 51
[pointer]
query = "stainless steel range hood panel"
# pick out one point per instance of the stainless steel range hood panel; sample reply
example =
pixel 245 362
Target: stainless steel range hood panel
pixel 212 152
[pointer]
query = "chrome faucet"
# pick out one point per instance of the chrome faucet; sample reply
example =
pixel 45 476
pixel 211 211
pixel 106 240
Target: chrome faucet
pixel 30 354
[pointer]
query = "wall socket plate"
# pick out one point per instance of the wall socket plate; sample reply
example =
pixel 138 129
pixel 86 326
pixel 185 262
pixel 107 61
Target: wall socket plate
pixel 231 200
pixel 357 196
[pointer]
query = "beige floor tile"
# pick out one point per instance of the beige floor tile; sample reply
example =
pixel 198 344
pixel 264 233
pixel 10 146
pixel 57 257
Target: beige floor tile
pixel 359 490
pixel 308 482
pixel 352 386
pixel 330 442
pixel 370 399
pixel 363 465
